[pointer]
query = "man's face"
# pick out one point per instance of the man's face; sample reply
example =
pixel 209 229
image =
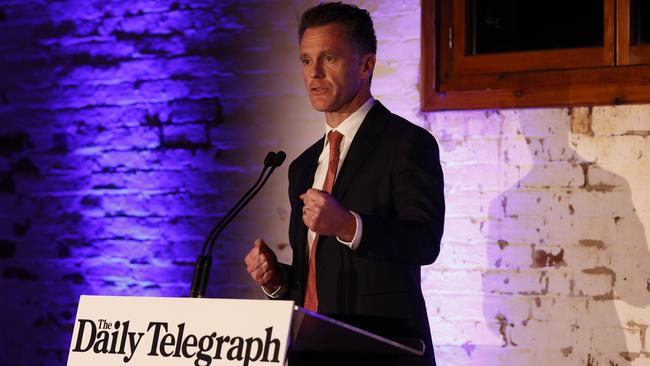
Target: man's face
pixel 332 69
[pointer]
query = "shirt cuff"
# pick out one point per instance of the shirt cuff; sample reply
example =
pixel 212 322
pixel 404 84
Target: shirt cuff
pixel 275 294
pixel 357 234
pixel 280 290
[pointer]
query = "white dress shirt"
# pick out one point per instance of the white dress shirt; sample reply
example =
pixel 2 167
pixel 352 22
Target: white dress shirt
pixel 348 128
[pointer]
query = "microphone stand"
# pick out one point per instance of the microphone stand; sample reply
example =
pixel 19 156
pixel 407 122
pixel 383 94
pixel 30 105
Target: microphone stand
pixel 204 261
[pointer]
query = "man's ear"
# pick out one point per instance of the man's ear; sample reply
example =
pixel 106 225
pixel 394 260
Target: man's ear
pixel 368 65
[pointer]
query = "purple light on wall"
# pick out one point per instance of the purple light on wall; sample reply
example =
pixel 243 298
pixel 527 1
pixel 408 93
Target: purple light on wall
pixel 117 154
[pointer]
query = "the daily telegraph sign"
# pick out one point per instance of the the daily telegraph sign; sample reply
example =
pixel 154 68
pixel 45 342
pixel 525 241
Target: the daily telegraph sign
pixel 115 330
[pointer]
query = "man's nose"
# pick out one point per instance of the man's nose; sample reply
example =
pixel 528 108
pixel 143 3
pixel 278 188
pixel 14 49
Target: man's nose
pixel 316 70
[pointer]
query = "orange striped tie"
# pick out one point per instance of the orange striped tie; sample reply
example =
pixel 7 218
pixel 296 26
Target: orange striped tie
pixel 311 295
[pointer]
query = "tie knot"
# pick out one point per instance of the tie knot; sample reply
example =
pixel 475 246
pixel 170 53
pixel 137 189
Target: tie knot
pixel 334 137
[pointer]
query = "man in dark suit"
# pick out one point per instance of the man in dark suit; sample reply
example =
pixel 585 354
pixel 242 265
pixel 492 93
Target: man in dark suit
pixel 367 205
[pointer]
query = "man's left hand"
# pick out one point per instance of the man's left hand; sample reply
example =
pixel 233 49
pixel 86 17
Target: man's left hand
pixel 324 215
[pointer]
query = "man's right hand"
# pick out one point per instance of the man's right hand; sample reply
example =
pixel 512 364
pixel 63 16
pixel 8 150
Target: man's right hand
pixel 263 266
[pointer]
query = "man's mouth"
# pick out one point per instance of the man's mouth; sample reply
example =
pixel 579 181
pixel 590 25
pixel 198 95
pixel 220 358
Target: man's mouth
pixel 318 90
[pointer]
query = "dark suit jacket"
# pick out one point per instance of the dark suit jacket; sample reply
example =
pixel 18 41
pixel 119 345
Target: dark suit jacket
pixel 392 178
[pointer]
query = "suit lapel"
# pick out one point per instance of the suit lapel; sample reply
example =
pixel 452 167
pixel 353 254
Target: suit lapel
pixel 363 144
pixel 308 167
pixel 303 181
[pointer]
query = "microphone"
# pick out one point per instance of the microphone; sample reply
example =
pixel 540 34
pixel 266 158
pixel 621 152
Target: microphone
pixel 278 159
pixel 269 161
pixel 204 261
pixel 275 162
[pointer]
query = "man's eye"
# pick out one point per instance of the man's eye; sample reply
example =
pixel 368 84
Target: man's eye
pixel 330 58
pixel 305 61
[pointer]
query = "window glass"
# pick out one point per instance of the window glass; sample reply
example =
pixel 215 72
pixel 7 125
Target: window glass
pixel 497 26
pixel 640 22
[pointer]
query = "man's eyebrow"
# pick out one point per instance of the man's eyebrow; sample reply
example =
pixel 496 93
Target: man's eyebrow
pixel 321 53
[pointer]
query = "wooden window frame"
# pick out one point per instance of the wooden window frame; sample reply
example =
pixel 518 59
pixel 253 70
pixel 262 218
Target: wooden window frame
pixel 604 78
pixel 626 53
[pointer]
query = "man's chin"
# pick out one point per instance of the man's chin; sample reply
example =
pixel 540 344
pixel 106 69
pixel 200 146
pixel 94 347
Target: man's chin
pixel 325 105
pixel 321 107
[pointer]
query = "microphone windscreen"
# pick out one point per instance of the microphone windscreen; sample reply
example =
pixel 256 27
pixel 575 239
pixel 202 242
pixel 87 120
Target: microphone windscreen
pixel 279 158
pixel 269 160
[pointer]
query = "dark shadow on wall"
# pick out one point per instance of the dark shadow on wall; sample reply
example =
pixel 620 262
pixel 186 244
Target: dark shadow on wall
pixel 565 245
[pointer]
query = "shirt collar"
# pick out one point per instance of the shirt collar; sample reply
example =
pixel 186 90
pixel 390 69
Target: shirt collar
pixel 349 127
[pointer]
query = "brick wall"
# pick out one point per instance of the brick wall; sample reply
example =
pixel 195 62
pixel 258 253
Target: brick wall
pixel 124 136
pixel 546 232
pixel 126 129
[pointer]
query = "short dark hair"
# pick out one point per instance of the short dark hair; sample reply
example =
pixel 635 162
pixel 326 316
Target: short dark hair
pixel 357 23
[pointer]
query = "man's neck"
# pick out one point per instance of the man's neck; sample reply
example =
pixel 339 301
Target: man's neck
pixel 334 119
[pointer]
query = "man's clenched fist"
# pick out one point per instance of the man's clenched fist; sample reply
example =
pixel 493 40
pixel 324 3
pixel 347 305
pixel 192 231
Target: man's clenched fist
pixel 324 215
pixel 263 266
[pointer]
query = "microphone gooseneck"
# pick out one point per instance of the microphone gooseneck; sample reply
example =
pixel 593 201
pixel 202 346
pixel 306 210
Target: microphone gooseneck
pixel 204 261
pixel 269 161
pixel 277 161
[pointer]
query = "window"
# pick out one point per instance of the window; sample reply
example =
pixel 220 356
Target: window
pixel 527 53
pixel 635 35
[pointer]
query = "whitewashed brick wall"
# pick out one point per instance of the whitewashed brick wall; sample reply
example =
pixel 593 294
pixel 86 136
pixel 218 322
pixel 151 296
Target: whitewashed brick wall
pixel 545 256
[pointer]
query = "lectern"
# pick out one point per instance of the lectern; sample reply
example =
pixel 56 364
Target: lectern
pixel 115 330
